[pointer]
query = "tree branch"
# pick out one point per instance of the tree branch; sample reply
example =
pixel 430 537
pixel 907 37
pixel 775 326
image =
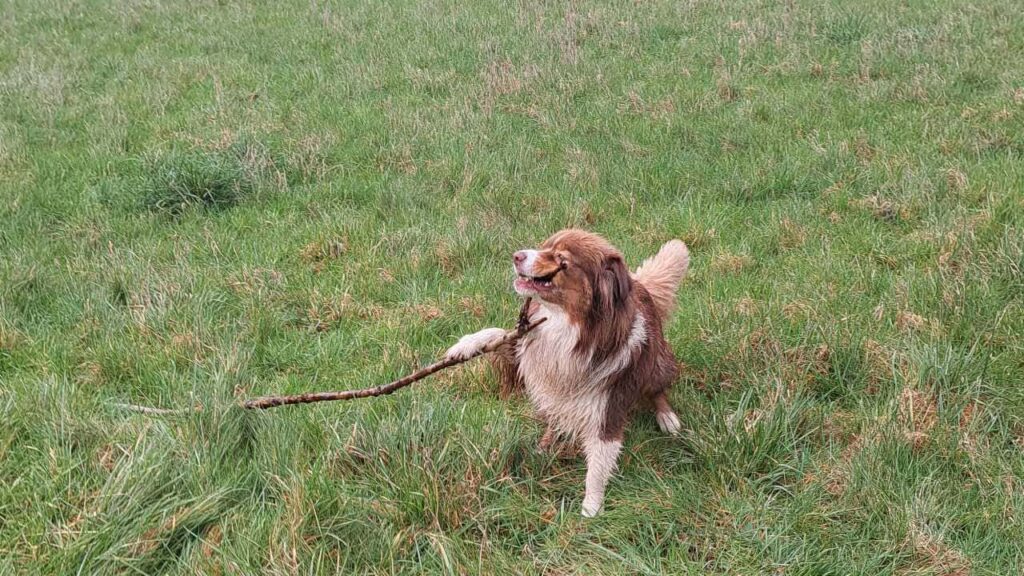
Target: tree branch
pixel 522 327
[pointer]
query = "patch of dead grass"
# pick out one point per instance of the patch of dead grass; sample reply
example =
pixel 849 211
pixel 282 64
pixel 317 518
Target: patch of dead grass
pixel 746 307
pixel 881 208
pixel 320 252
pixel 659 110
pixel 502 77
pixel 90 373
pixel 255 281
pixel 398 159
pixel 881 364
pixel 698 237
pixel 474 305
pixel 10 338
pixel 956 180
pixel 427 312
pixel 796 367
pixel 760 342
pixel 973 444
pixel 909 322
pixel 863 150
pixel 725 87
pixel 917 414
pixel 798 310
pixel 446 258
pixel 728 263
pixel 189 347
pixel 953 254
pixel 837 476
pixel 323 313
pixel 932 555
pixel 791 234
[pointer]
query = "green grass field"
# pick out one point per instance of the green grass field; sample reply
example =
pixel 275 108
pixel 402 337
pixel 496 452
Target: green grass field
pixel 205 202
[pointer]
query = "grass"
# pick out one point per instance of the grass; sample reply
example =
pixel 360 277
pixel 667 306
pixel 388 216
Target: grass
pixel 214 180
pixel 203 203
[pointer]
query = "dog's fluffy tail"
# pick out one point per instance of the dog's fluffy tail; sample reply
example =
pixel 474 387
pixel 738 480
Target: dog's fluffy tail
pixel 661 274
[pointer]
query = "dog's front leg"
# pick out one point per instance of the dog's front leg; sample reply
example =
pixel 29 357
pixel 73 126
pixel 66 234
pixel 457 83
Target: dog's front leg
pixel 602 456
pixel 471 344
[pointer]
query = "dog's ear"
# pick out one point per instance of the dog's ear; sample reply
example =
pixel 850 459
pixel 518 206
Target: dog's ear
pixel 615 282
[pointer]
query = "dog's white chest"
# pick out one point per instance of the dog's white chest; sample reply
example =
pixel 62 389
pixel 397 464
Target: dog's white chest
pixel 569 392
pixel 558 380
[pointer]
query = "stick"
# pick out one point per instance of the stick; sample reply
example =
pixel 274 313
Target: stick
pixel 522 327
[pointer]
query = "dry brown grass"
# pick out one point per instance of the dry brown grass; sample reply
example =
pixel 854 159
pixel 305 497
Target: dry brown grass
pixel 255 281
pixel 728 263
pixel 837 476
pixel 932 555
pixel 917 413
pixel 956 180
pixel 909 322
pixel 474 305
pixel 882 364
pixel 791 234
pixel 798 310
pixel 746 306
pixel 10 338
pixel 189 347
pixel 699 237
pixel 882 209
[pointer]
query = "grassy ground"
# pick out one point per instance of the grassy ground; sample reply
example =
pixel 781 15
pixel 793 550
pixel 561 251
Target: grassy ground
pixel 203 202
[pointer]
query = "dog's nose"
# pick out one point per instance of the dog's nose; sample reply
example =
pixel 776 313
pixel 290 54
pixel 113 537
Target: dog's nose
pixel 518 257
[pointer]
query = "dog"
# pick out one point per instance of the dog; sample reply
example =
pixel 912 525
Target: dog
pixel 601 351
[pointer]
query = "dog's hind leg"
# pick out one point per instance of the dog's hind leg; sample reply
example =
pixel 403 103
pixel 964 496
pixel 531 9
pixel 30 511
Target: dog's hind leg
pixel 666 417
pixel 547 439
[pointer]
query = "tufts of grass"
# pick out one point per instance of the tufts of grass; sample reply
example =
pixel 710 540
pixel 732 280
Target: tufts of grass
pixel 756 441
pixel 213 179
pixel 847 27
pixel 197 180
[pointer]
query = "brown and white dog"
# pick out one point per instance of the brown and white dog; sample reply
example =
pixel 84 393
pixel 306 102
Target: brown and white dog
pixel 601 351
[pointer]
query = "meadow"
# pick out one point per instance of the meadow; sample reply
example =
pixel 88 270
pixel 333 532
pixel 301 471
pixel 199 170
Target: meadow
pixel 203 202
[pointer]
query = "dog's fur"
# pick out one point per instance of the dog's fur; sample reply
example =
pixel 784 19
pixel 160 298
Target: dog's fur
pixel 601 351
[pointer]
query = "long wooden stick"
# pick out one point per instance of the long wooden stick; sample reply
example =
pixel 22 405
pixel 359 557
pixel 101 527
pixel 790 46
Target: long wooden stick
pixel 522 327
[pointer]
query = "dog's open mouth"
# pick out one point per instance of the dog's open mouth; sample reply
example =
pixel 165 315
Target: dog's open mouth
pixel 545 282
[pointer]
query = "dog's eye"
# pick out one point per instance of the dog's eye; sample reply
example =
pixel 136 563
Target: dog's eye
pixel 562 262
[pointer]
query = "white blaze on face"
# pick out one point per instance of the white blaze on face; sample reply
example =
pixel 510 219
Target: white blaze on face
pixel 526 266
pixel 524 263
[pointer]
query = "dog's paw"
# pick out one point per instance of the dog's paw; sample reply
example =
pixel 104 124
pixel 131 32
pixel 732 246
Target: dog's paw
pixel 668 422
pixel 591 509
pixel 471 344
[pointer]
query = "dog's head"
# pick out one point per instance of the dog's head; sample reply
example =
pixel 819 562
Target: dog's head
pixel 575 270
